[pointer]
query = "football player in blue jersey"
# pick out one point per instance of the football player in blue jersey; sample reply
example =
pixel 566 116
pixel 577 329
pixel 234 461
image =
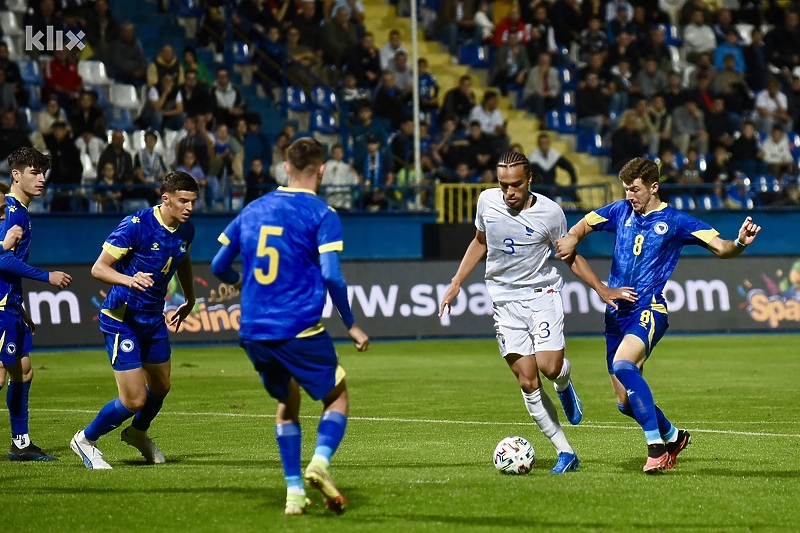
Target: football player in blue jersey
pixel 16 340
pixel 139 259
pixel 288 241
pixel 649 237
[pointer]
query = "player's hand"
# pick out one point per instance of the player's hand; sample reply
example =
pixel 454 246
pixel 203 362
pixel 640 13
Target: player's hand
pixel 12 237
pixel 180 315
pixel 140 281
pixel 60 279
pixel 610 296
pixel 360 339
pixel 748 231
pixel 565 246
pixel 449 296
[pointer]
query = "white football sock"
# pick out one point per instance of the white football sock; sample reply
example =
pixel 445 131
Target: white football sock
pixel 543 412
pixel 21 441
pixel 562 380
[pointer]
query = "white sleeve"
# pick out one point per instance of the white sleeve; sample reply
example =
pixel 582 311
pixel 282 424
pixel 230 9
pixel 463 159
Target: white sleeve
pixel 559 225
pixel 152 94
pixel 479 214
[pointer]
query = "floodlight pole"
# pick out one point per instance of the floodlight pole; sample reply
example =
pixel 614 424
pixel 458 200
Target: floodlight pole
pixel 415 93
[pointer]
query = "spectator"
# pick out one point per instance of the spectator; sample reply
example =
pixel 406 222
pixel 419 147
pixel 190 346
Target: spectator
pixel 621 83
pixel 480 151
pixel 626 143
pixel 544 162
pixel 592 105
pixel 7 98
pixel 148 170
pixel 772 108
pixel 704 69
pixel 755 59
pixel 376 174
pixel 649 81
pixel 566 18
pixel 116 154
pixel 339 180
pixel 719 126
pixel 746 154
pixel 12 137
pixel 720 169
pixel 624 49
pixel 667 169
pixel 484 27
pixel 351 97
pixel 659 125
pixel 782 43
pixel 596 65
pixel 367 127
pixel 255 17
pixel 195 95
pixel 402 73
pixel 108 191
pixel 126 57
pixel 428 88
pixel 591 9
pixel 90 146
pixel 731 85
pixel 511 24
pixel 39 17
pixel 450 145
pixel 730 48
pixel 164 106
pixel 402 146
pixel 674 95
pixel 52 113
pixel 13 75
pixel 698 37
pixel 65 170
pixel 391 102
pixel 191 166
pixel 339 38
pixel 355 9
pixel 309 24
pixel 656 47
pixel 212 24
pixel 101 29
pixel 778 155
pixel 464 174
pixel 510 65
pixel 688 128
pixel 689 175
pixel 87 117
pixel 226 98
pixel 542 88
pixel 492 122
pixel 61 79
pixel 724 25
pixel 542 35
pixel 455 23
pixel 621 23
pixel 255 142
pixel 702 94
pixel 258 181
pixel 164 63
pixel 364 62
pixel 268 60
pixel 388 50
pixel 278 170
pixel 191 63
pixel 458 102
pixel 793 99
pixel 593 39
pixel 305 64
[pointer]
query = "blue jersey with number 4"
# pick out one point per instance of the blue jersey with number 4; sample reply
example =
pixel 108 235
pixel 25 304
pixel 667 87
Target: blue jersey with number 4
pixel 280 237
pixel 143 243
pixel 11 284
pixel 647 247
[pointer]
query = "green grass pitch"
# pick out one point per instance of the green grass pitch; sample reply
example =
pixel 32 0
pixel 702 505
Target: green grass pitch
pixel 425 419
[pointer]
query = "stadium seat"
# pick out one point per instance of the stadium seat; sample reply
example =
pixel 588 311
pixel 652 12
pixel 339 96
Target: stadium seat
pixel 683 202
pixel 242 53
pixel 26 118
pixel 553 120
pixel 137 141
pixel 568 101
pixel 17 6
pixel 100 94
pixel 34 98
pixel 746 32
pixel 30 72
pixel 475 55
pixel 709 202
pixel 189 8
pixel 323 122
pixel 94 73
pixel 124 95
pixel 568 79
pixel 324 98
pixel 671 35
pixel 10 24
pixel 585 139
pixel 680 159
pixel 701 163
pixel 119 118
pixel 568 123
pixel 295 99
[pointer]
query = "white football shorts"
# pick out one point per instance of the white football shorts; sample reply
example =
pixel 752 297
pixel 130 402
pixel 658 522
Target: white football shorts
pixel 530 326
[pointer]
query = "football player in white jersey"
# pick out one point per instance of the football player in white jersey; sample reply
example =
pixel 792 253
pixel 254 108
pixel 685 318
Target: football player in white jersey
pixel 516 230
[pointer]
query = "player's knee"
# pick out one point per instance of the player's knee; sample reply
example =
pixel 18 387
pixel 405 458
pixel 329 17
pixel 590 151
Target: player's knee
pixel 134 403
pixel 528 384
pixel 625 408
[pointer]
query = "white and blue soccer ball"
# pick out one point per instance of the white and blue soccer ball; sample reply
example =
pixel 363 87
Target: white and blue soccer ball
pixel 514 455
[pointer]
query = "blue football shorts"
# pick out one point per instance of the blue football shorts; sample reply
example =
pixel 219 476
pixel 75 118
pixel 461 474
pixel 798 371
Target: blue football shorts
pixel 646 324
pixel 16 339
pixel 139 338
pixel 311 361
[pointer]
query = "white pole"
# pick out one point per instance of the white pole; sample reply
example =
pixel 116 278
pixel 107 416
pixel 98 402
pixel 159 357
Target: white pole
pixel 415 66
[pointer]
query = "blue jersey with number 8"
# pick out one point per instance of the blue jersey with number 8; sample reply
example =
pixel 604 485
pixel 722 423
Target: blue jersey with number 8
pixel 647 247
pixel 280 237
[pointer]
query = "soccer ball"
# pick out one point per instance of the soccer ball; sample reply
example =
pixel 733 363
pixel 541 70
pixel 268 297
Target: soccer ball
pixel 514 455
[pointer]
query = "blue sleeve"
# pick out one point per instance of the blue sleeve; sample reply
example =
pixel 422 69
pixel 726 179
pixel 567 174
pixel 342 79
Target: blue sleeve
pixel 605 218
pixel 123 238
pixel 337 286
pixel 329 234
pixel 694 231
pixel 221 264
pixel 9 263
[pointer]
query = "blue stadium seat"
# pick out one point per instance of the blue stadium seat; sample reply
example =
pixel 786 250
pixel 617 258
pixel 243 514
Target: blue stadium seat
pixel 324 98
pixel 100 92
pixel 709 202
pixel 323 122
pixel 26 118
pixel 568 79
pixel 568 123
pixel 30 72
pixel 671 35
pixel 568 101
pixel 242 53
pixel 475 55
pixel 701 163
pixel 119 118
pixel 683 202
pixel 584 140
pixel 553 120
pixel 739 193
pixel 189 8
pixel 680 159
pixel 766 184
pixel 34 98
pixel 295 99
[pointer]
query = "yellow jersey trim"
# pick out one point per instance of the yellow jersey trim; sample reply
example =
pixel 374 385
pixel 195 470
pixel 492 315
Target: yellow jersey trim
pixel 313 330
pixel 661 207
pixel 3 302
pixel 706 235
pixel 17 198
pixel 296 189
pixel 657 307
pixel 340 374
pixel 337 246
pixel 3 340
pixel 116 347
pixel 117 314
pixel 594 219
pixel 115 251
pixel 157 213
pixel 224 240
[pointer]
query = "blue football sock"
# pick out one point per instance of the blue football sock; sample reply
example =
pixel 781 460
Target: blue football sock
pixel 329 435
pixel 151 408
pixel 665 427
pixel 640 399
pixel 289 439
pixel 110 417
pixel 17 402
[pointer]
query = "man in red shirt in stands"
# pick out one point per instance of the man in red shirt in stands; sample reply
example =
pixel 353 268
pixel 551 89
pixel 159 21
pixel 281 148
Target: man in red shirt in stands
pixel 61 79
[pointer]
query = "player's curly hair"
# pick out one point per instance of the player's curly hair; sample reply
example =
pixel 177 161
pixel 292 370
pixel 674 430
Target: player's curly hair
pixel 179 181
pixel 22 158
pixel 304 153
pixel 641 168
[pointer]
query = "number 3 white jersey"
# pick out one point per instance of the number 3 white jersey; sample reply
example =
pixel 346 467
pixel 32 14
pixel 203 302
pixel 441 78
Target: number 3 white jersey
pixel 519 244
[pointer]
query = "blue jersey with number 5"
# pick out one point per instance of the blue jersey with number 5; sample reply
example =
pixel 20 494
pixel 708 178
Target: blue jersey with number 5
pixel 280 237
pixel 647 247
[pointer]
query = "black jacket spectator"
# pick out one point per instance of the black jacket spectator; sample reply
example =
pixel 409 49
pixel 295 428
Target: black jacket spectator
pixel 782 43
pixel 364 63
pixel 65 170
pixel 11 135
pixel 122 160
pixel 458 102
pixel 87 117
pixel 196 96
pixel 626 143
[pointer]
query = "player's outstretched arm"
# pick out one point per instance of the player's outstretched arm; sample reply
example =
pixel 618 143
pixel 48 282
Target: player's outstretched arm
pixel 475 252
pixel 580 267
pixel 565 246
pixel 14 265
pixel 186 279
pixel 103 270
pixel 725 249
